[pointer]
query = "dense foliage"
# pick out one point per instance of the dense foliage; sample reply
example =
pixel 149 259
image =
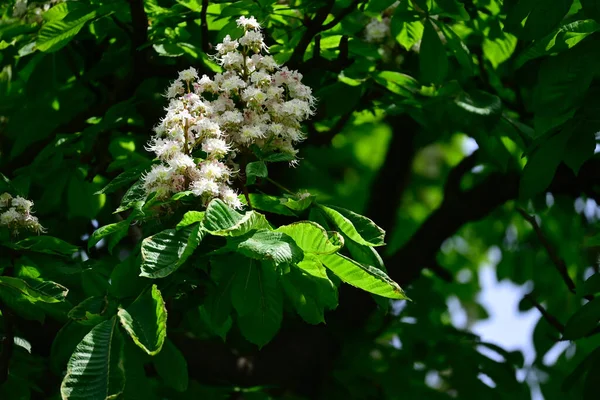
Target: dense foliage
pixel 193 201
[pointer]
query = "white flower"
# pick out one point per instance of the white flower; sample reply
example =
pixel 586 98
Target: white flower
pixel 232 83
pixel 248 23
pixel 188 75
pixel 232 117
pixel 254 40
pixel 11 216
pixel 180 162
pixel 227 45
pixel 215 147
pixel 214 170
pixel 164 148
pixel 230 197
pixel 205 186
pixel 5 199
pixel 377 30
pixel 175 89
pixel 232 60
pixel 254 95
pixel 207 128
pixel 260 77
pixel 22 204
pixel 158 174
pixel 248 133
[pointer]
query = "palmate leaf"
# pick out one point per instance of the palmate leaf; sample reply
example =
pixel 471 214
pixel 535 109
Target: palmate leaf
pixel 311 237
pixel 362 276
pixel 43 291
pixel 172 367
pixel 261 322
pixel 46 245
pixel 583 321
pixel 305 293
pixel 95 370
pixel 92 310
pixel 166 251
pixel 265 245
pixel 357 227
pixel 118 229
pixel 146 321
pixel 56 34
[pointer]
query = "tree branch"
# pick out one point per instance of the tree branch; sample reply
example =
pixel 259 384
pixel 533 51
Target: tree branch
pixel 204 26
pixel 552 320
pixel 471 205
pixel 559 263
pixel 340 16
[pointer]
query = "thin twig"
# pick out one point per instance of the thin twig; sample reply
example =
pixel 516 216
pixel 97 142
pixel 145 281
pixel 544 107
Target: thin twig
pixel 560 264
pixel 279 185
pixel 547 316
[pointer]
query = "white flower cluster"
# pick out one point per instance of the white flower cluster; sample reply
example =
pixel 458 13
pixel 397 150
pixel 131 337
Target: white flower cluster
pixel 15 214
pixel 33 12
pixel 253 102
pixel 377 30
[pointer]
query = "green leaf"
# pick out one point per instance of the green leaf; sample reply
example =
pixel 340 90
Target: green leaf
pixel 580 148
pixel 591 285
pixel 55 35
pixel 64 344
pixel 327 291
pixel 298 203
pixel 477 109
pixel 256 169
pixel 311 237
pixel 541 166
pixel 583 321
pixel 303 292
pixel 59 11
pixel 565 37
pixel 539 18
pixel 357 227
pixel 171 366
pixel 260 324
pixel 364 277
pixel 433 61
pixel 398 83
pixel 45 244
pixel 190 218
pixel 267 245
pixel 118 228
pixel 92 310
pixel 562 84
pixel 42 291
pixel 453 9
pixel 146 321
pixel 123 179
pixel 165 252
pixel 459 48
pixel 406 26
pixel 246 290
pixel 251 221
pixel 95 370
pixel 499 48
pixel 219 216
pixel 264 202
pixel 224 269
pixel 134 197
